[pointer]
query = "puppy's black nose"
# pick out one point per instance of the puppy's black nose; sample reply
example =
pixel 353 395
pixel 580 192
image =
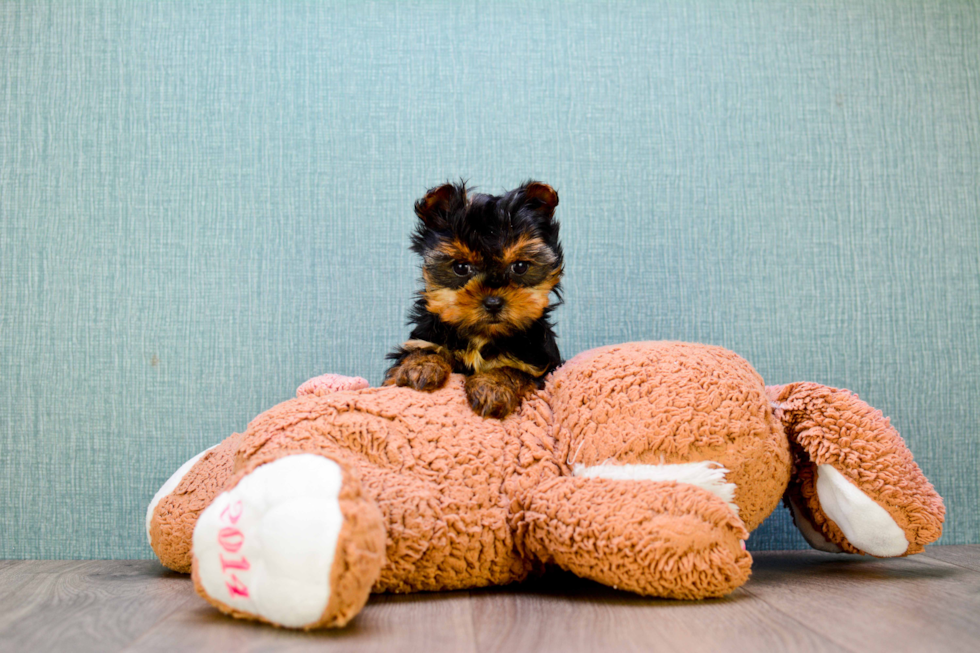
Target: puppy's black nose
pixel 493 303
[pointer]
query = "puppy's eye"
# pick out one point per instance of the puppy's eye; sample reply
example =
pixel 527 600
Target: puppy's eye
pixel 519 268
pixel 462 269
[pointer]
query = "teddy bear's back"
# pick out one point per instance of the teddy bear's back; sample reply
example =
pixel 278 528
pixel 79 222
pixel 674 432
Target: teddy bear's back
pixel 656 403
pixel 444 478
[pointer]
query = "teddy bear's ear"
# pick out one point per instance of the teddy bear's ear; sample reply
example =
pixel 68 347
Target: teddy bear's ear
pixel 439 202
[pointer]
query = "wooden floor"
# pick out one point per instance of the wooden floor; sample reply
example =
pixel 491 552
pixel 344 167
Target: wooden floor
pixel 795 601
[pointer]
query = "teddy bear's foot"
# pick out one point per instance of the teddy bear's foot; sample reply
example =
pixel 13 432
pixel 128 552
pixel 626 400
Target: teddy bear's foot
pixel 666 539
pixel 294 543
pixel 174 509
pixel 865 524
pixel 857 488
pixel 166 489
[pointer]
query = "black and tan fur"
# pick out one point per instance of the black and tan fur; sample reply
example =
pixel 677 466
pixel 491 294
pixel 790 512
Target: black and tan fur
pixel 490 265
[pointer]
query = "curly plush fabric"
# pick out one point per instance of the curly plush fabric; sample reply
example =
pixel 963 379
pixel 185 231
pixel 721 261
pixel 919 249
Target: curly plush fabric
pixel 659 539
pixel 175 516
pixel 327 383
pixel 834 427
pixel 443 477
pixel 662 403
pixel 643 466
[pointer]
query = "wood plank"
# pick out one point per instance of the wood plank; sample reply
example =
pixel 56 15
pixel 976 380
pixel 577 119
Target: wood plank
pixel 964 555
pixel 53 605
pixel 8 568
pixel 15 578
pixel 564 613
pixel 795 601
pixel 434 622
pixel 866 604
pixel 32 567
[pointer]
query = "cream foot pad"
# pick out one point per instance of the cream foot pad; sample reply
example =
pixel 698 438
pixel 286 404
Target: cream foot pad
pixel 266 546
pixel 864 523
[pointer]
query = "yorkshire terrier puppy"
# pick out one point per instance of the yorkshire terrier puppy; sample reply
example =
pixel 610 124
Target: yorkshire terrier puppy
pixel 489 265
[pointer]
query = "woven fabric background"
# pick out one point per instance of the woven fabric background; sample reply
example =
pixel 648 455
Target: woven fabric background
pixel 204 204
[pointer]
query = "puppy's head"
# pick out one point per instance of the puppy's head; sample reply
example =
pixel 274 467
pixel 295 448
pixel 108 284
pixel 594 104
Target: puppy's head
pixel 490 262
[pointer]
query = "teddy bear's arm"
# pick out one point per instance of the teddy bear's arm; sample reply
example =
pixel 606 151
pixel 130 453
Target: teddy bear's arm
pixel 856 486
pixel 665 539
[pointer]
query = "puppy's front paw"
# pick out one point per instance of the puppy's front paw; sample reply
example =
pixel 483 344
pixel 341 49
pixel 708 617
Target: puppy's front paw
pixel 423 371
pixel 490 396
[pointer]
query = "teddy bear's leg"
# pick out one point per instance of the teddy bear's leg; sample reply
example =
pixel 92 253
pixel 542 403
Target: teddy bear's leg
pixel 294 543
pixel 856 488
pixel 174 509
pixel 663 538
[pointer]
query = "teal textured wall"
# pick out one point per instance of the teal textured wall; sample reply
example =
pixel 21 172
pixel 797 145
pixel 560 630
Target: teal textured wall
pixel 204 204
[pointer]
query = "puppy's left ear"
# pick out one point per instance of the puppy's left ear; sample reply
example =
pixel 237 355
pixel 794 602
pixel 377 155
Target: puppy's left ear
pixel 543 195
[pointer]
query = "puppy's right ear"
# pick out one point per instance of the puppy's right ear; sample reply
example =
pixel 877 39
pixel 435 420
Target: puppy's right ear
pixel 440 202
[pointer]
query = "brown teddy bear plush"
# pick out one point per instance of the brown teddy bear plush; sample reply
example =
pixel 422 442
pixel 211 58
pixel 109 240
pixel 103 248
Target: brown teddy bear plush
pixel 642 466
